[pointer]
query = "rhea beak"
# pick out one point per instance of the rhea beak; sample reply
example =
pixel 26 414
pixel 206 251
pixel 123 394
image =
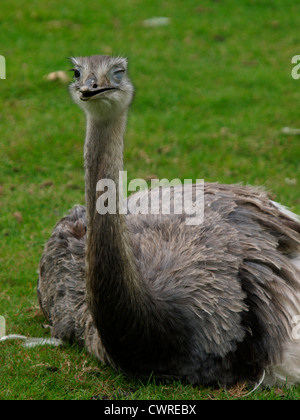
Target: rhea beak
pixel 89 90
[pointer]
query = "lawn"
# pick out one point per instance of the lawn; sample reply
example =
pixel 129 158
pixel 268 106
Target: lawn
pixel 213 92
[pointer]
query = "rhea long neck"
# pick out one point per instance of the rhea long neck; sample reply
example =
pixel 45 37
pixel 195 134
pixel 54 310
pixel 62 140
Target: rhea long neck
pixel 114 290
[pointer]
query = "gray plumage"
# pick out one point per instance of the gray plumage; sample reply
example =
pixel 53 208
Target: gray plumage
pixel 211 303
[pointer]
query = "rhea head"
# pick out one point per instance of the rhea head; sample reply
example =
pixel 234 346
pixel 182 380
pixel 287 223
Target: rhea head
pixel 101 86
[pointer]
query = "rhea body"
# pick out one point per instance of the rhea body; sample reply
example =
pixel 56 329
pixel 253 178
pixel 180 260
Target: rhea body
pixel 212 303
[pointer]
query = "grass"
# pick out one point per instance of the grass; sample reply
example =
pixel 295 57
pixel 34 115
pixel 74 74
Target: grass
pixel 213 91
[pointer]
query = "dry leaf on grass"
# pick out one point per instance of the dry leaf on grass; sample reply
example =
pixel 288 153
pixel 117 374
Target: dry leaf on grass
pixel 18 216
pixel 60 75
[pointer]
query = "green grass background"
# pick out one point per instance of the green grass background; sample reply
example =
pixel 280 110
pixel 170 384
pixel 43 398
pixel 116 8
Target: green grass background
pixel 213 91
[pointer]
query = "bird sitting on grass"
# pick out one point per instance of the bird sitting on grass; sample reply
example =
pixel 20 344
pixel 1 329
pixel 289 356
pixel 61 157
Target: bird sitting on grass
pixel 212 303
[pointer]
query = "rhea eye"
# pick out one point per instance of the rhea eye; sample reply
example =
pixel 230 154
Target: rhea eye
pixel 116 75
pixel 76 73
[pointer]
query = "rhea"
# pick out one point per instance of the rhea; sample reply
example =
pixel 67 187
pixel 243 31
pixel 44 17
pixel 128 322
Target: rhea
pixel 213 303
